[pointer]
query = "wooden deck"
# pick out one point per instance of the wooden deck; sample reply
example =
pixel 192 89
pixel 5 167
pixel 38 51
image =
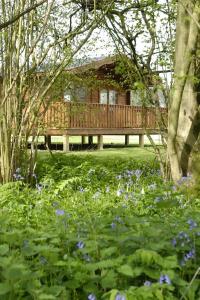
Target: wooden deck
pixel 90 118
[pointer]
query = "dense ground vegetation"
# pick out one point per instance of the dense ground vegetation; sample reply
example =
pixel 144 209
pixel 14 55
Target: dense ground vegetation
pixel 93 227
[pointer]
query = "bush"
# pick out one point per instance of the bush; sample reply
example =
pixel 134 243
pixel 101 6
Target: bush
pixel 91 229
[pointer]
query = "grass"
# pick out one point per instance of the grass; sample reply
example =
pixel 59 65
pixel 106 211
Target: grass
pixel 110 154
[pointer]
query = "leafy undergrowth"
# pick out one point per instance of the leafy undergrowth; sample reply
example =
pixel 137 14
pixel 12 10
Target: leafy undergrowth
pixel 98 229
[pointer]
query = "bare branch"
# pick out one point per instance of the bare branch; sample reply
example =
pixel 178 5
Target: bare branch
pixel 21 14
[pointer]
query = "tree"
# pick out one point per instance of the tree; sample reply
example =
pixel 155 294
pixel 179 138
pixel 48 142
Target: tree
pixel 139 22
pixel 184 113
pixel 37 42
pixel 20 14
pixel 135 29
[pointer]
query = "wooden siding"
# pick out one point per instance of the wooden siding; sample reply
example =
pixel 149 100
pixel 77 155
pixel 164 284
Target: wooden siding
pixel 63 116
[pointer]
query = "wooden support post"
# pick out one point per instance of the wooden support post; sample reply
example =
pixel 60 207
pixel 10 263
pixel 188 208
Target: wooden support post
pixel 100 142
pixel 66 143
pixel 141 140
pixel 126 139
pixel 83 139
pixel 47 141
pixel 90 140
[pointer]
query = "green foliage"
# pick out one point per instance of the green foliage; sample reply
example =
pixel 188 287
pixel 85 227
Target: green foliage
pixel 100 227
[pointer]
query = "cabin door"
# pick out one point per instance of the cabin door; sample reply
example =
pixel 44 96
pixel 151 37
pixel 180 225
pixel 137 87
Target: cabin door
pixel 109 98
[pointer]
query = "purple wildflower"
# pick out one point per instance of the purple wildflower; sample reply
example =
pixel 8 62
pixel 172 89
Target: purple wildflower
pixel 119 192
pixel 43 260
pixel 120 297
pixel 96 195
pixel 192 224
pixel 39 187
pixel 174 242
pixel 164 279
pixel 189 255
pixel 86 257
pixel 80 245
pixel 138 173
pixel 60 212
pixel 147 283
pixel 113 225
pixel 92 297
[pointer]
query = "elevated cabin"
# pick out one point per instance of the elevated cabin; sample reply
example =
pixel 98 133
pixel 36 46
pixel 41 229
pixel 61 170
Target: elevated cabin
pixel 98 102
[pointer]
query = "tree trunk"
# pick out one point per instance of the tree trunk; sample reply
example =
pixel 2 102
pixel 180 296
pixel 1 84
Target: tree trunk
pixel 183 128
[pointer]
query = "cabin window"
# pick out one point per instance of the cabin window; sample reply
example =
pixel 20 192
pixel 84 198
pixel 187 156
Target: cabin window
pixel 67 96
pixel 77 94
pixel 136 98
pixel 80 94
pixel 108 97
pixel 103 97
pixel 139 98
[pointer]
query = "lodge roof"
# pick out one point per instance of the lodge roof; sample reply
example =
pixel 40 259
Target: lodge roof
pixel 96 64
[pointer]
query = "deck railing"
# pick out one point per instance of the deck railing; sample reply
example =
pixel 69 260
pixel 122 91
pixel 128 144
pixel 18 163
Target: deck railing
pixel 61 115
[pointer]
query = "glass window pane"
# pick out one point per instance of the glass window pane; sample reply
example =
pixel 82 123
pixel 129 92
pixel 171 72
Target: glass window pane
pixel 80 94
pixel 112 97
pixel 136 99
pixel 67 96
pixel 103 97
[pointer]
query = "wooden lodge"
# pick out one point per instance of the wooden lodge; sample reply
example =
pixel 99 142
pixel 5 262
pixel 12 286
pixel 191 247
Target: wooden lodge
pixel 97 107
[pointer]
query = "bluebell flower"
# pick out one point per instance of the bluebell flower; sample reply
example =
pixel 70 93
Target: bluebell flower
pixel 183 236
pixel 96 195
pixel 138 173
pixel 25 243
pixel 118 177
pixel 118 219
pixel 43 260
pixel 120 297
pixel 174 242
pixel 124 205
pixel 18 170
pixel 107 189
pixel 60 212
pixel 192 224
pixel 91 171
pixel 189 255
pixel 86 257
pixel 182 263
pixel 82 190
pixel 129 183
pixel 174 188
pixel 158 199
pixel 18 176
pixel 152 186
pixel 126 196
pixel 92 297
pixel 184 179
pixel 113 225
pixel 80 245
pixel 164 279
pixel 119 192
pixel 39 187
pixel 147 283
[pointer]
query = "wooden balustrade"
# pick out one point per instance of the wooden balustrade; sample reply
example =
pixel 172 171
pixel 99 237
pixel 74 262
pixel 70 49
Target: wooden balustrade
pixel 61 115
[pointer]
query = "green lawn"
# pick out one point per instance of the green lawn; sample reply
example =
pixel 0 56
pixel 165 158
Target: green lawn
pixel 122 153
